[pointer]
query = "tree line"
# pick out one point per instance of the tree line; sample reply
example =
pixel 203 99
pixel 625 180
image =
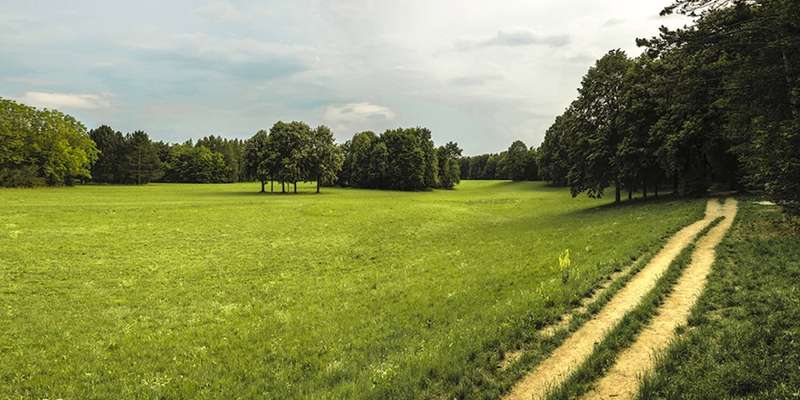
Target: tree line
pixel 46 147
pixel 711 104
pixel 134 158
pixel 518 163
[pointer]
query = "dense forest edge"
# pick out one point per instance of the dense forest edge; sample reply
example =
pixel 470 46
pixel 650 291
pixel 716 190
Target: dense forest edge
pixel 712 105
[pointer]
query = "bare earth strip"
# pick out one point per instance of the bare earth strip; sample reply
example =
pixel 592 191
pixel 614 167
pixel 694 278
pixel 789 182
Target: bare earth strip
pixel 622 380
pixel 575 349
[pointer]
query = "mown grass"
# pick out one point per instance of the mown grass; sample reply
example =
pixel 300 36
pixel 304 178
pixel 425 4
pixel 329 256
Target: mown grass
pixel 743 338
pixel 209 291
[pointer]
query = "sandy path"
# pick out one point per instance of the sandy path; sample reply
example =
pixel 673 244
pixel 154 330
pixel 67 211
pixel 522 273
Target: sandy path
pixel 575 349
pixel 622 380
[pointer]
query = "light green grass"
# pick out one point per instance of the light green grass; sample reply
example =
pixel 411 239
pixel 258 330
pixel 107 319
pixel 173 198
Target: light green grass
pixel 215 291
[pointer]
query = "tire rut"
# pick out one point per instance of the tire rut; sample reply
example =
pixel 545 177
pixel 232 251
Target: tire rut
pixel 554 369
pixel 622 380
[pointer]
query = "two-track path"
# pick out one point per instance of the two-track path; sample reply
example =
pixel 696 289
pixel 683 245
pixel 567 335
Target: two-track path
pixel 576 348
pixel 622 380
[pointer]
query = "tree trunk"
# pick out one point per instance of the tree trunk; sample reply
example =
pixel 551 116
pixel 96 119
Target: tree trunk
pixel 617 193
pixel 272 185
pixel 283 187
pixel 139 169
pixel 318 179
pixel 295 187
pixel 263 186
pixel 644 188
pixel 630 194
pixel 787 75
pixel 675 185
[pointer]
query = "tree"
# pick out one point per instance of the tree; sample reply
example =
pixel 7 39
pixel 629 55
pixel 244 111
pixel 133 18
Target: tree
pixel 598 111
pixel 532 168
pixel 289 143
pixel 42 147
pixel 517 161
pixel 111 146
pixel 378 163
pixel 449 157
pixel 258 158
pixel 141 163
pixel 323 159
pixel 232 152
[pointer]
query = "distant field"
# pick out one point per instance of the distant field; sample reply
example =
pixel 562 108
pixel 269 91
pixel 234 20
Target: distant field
pixel 216 291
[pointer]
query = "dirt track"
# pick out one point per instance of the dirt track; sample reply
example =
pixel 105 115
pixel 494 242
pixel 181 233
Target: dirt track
pixel 622 380
pixel 575 349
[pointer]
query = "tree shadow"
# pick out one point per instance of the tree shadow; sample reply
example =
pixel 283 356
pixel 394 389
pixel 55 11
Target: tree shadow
pixel 256 193
pixel 635 203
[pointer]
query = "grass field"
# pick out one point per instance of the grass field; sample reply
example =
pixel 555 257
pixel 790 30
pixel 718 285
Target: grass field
pixel 743 340
pixel 215 291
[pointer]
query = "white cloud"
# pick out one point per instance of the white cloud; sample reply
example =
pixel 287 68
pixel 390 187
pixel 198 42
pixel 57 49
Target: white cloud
pixel 514 38
pixel 611 22
pixel 225 11
pixel 66 100
pixel 351 117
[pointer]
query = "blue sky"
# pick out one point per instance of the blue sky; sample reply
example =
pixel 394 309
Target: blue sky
pixel 477 72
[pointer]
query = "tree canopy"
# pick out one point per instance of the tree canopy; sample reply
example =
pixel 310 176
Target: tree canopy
pixel 41 146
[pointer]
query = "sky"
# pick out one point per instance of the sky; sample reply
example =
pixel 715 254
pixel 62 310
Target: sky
pixel 478 72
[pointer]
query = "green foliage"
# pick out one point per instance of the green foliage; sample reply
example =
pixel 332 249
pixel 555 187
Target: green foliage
pixel 371 295
pixel 449 157
pixel 517 159
pixel 293 152
pixel 518 163
pixel 714 103
pixel 323 159
pixel 403 159
pixel 195 164
pixel 598 109
pixel 232 151
pixel 140 163
pixel 42 147
pixel 259 161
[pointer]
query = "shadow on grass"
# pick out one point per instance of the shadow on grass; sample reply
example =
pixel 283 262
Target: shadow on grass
pixel 256 193
pixel 627 204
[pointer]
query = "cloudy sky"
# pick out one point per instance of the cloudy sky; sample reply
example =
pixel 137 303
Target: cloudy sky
pixel 478 72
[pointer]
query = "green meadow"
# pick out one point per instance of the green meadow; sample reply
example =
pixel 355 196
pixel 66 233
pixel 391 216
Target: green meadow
pixel 182 291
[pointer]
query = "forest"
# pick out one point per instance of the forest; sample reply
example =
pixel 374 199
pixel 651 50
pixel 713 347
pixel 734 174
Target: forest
pixel 716 102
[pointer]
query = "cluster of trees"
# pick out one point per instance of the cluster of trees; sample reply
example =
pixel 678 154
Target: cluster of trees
pixel 134 158
pixel 290 153
pixel 40 147
pixel 518 163
pixel 402 159
pixel 716 102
